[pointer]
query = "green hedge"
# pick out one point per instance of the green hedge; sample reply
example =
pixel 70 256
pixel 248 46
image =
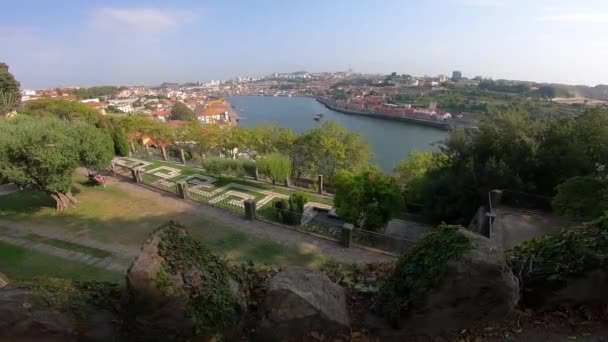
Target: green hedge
pixel 227 166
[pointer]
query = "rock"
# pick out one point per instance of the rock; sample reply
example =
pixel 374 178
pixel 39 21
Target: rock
pixel 23 321
pixel 299 301
pixel 476 289
pixel 165 301
pixel 3 280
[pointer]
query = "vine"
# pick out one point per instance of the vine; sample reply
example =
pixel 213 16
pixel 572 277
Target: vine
pixel 419 271
pixel 213 304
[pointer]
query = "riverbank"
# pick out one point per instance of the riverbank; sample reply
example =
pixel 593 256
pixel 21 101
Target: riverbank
pixel 438 124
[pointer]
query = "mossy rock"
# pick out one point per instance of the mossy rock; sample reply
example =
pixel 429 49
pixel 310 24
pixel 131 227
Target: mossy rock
pixel 451 278
pixel 178 289
pixel 564 268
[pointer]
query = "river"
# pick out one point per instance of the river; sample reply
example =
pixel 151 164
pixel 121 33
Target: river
pixel 390 141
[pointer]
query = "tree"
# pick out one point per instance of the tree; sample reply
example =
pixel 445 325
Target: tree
pixel 44 154
pixel 181 112
pixel 63 109
pixel 9 90
pixel 410 173
pixel 367 198
pixel 582 197
pixel 275 166
pixel 327 149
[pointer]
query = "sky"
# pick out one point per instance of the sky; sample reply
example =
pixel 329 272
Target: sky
pixel 86 43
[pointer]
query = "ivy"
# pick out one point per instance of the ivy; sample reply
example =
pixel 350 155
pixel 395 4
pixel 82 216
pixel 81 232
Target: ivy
pixel 76 297
pixel 421 270
pixel 549 262
pixel 212 303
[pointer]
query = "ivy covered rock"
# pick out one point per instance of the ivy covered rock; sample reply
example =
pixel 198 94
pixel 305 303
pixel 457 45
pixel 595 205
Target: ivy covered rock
pixel 452 278
pixel 48 309
pixel 569 267
pixel 178 289
pixel 299 301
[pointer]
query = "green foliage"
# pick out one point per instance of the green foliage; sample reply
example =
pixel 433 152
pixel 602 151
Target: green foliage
pixel 44 153
pixel 421 270
pixel 211 302
pixel 121 144
pixel 290 211
pixel 549 262
pixel 227 166
pixel 9 90
pixel 582 198
pixel 93 92
pixel 410 173
pixel 275 166
pixel 79 298
pixel 327 149
pixel 181 112
pixel 266 139
pixel 63 109
pixel 512 151
pixel 367 198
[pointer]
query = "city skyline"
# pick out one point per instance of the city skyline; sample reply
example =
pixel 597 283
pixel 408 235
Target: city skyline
pixel 111 42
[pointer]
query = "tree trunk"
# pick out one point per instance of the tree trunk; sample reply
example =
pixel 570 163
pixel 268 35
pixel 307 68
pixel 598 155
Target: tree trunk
pixel 64 200
pixel 133 147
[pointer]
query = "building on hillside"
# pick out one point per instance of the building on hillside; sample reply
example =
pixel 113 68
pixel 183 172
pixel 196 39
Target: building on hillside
pixel 162 115
pixel 214 112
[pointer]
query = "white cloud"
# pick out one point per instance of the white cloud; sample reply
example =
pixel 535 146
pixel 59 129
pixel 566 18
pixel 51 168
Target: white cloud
pixel 574 15
pixel 146 20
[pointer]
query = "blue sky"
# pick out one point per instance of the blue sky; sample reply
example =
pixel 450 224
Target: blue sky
pixel 48 43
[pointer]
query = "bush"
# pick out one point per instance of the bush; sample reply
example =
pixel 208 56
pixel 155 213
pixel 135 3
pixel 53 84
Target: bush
pixel 290 211
pixel 121 145
pixel 549 262
pixel 581 198
pixel 227 166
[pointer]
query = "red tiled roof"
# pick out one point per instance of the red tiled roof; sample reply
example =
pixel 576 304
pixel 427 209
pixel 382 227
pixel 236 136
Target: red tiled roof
pixel 161 113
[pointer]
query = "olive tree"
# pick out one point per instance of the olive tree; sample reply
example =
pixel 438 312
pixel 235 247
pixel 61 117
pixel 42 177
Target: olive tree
pixel 275 166
pixel 44 153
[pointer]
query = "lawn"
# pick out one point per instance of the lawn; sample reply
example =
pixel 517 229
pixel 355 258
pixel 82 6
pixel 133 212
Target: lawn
pixel 68 245
pixel 124 219
pixel 223 180
pixel 22 264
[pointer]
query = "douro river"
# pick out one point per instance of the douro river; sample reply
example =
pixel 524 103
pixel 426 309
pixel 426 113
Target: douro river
pixel 390 141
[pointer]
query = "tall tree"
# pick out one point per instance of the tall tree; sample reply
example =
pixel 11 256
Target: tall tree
pixel 367 198
pixel 9 90
pixel 181 112
pixel 44 153
pixel 275 166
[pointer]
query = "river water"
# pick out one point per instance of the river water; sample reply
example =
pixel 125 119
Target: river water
pixel 390 141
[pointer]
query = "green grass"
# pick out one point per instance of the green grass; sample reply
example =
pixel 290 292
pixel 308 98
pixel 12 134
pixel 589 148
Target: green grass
pixel 125 219
pixel 68 245
pixel 22 264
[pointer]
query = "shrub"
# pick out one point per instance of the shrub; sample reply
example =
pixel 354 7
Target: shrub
pixel 227 166
pixel 290 211
pixel 549 262
pixel 581 198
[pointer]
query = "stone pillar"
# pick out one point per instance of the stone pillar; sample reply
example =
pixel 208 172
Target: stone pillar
pixel 320 184
pixel 495 198
pixel 250 209
pixel 135 174
pixel 182 156
pixel 257 175
pixel 164 152
pixel 183 189
pixel 347 235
